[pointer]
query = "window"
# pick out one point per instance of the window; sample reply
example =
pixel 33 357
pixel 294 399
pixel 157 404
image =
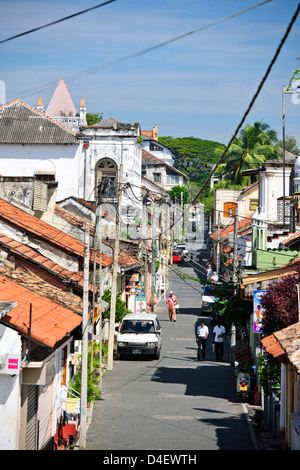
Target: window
pixel 172 179
pixel 108 169
pixel 253 204
pixel 229 209
pixel 157 177
pixel 155 147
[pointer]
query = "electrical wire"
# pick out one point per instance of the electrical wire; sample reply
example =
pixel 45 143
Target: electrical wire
pixel 119 60
pixel 56 21
pixel 284 38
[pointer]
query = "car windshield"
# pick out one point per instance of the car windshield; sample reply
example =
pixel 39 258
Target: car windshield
pixel 137 326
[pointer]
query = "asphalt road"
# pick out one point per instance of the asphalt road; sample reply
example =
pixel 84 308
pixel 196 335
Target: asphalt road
pixel 177 402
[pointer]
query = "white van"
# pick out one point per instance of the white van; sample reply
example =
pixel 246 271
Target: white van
pixel 140 334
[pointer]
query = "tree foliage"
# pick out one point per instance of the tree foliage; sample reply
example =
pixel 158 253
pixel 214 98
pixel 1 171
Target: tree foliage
pixel 93 118
pixel 192 156
pixel 290 145
pixel 281 304
pixel 231 307
pixel 175 194
pixel 253 146
pixel 121 309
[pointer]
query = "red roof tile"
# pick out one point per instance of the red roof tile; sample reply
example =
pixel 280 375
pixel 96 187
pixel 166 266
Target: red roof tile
pixel 51 322
pixel 25 252
pixel 243 226
pixel 272 346
pixel 44 231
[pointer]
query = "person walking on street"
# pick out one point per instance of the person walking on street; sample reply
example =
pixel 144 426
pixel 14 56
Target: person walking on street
pixel 202 334
pixel 176 304
pixel 171 302
pixel 214 277
pixel 218 340
pixel 209 272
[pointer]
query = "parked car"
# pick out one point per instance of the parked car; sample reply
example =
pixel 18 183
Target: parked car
pixel 140 334
pixel 177 257
pixel 182 247
pixel 208 299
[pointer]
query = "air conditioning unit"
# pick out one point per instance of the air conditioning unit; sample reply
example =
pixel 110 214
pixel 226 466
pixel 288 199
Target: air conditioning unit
pixel 10 363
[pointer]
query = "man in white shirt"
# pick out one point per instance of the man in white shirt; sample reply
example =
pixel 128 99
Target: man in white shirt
pixel 202 334
pixel 218 340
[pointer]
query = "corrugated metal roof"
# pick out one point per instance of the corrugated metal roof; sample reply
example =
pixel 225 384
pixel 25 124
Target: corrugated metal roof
pixel 22 124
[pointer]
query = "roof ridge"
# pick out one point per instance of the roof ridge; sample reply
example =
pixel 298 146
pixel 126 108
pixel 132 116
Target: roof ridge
pixel 44 115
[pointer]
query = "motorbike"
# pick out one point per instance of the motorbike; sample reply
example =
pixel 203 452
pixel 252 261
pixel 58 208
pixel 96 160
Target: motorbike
pixel 243 381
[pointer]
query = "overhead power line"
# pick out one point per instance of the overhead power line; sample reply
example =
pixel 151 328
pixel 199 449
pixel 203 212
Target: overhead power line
pixel 57 21
pixel 252 101
pixel 119 60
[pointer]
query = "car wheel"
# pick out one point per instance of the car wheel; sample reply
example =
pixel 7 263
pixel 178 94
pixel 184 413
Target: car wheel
pixel 157 354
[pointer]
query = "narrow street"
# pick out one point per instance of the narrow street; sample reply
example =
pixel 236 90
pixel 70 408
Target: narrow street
pixel 176 402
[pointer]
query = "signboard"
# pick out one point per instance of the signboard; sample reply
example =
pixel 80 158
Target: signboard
pixel 138 304
pixel 258 310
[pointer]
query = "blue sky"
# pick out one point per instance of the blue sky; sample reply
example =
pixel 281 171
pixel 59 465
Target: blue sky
pixel 198 86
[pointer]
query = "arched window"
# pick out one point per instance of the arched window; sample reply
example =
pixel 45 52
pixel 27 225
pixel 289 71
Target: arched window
pixel 229 209
pixel 107 168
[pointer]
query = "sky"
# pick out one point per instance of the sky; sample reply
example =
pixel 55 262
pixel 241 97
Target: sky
pixel 200 85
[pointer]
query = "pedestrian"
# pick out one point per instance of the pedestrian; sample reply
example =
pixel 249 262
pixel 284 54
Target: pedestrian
pixel 214 277
pixel 202 334
pixel 209 273
pixel 218 340
pixel 171 302
pixel 176 304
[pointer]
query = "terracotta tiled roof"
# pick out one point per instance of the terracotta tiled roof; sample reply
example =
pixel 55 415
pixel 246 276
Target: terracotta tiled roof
pixel 284 345
pixel 148 133
pixel 289 339
pixel 44 231
pixel 149 156
pixel 287 270
pixel 244 226
pixel 38 285
pixel 291 238
pixel 272 347
pixel 34 257
pixel 74 219
pixel 51 322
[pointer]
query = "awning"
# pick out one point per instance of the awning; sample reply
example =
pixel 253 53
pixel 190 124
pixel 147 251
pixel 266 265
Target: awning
pixel 267 275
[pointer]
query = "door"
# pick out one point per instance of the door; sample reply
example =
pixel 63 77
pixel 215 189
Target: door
pixel 31 425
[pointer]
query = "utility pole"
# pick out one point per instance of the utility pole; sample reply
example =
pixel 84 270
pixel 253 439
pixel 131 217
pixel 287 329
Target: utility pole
pixel 110 353
pixel 218 243
pixel 153 264
pixel 235 280
pixel 98 247
pixel 235 249
pixel 84 352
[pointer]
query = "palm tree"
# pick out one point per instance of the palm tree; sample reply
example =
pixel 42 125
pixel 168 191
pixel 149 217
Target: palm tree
pixel 253 146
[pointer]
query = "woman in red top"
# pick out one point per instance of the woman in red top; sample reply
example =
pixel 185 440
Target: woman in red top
pixel 171 302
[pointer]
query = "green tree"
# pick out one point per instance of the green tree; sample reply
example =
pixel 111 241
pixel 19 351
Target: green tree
pixel 121 309
pixel 281 303
pixel 175 194
pixel 253 146
pixel 193 156
pixel 93 118
pixel 290 145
